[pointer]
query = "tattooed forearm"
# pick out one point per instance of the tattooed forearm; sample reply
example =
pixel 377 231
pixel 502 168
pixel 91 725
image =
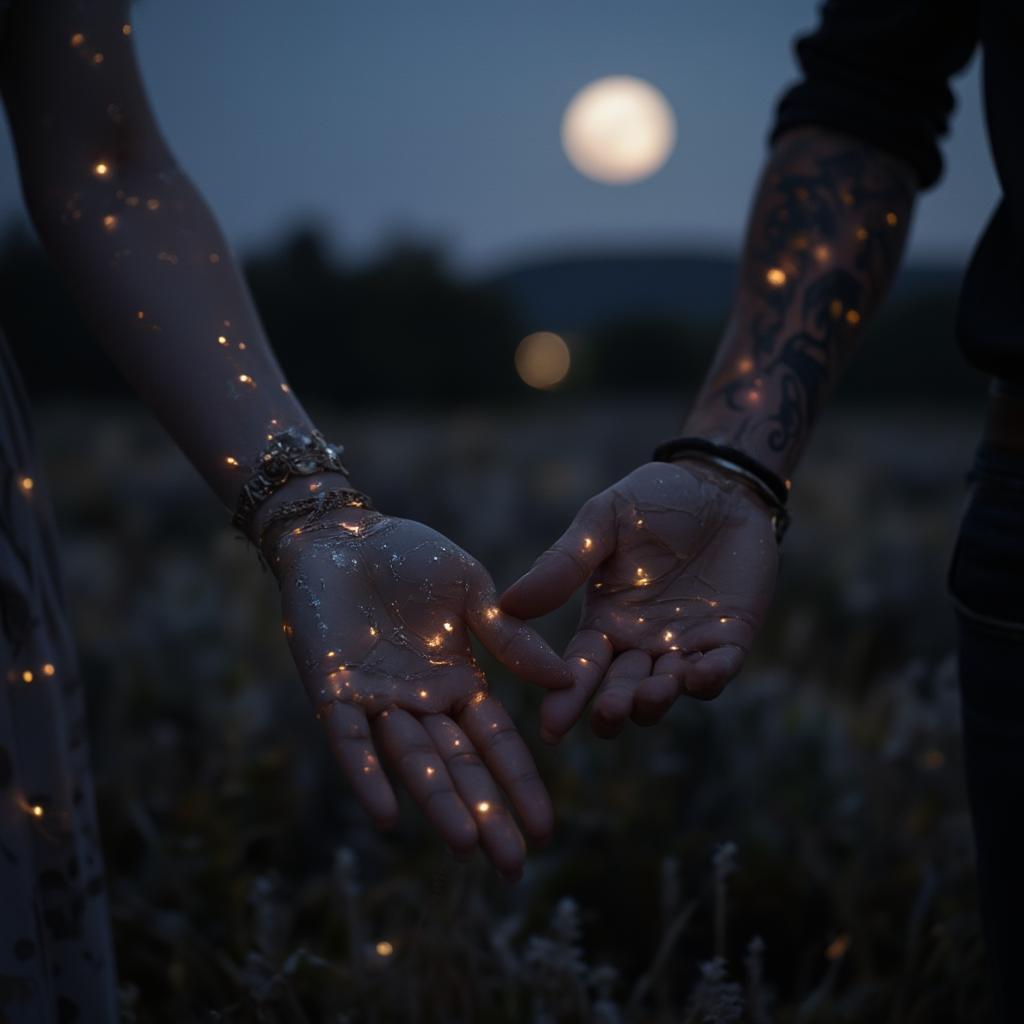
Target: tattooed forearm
pixel 823 244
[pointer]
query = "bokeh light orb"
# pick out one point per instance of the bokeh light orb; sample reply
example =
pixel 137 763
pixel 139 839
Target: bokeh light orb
pixel 542 360
pixel 618 130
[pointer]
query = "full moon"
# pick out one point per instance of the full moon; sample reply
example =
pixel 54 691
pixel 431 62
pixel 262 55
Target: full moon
pixel 618 130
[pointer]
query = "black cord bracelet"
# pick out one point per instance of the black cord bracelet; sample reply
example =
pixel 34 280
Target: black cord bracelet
pixel 676 446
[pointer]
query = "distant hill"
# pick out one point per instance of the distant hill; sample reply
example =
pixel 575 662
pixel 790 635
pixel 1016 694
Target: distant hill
pixel 581 292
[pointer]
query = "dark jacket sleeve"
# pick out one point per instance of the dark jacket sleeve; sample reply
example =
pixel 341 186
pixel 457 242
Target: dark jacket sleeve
pixel 879 70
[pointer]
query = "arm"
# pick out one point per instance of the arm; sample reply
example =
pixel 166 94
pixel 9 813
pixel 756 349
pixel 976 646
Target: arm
pixel 681 559
pixel 378 610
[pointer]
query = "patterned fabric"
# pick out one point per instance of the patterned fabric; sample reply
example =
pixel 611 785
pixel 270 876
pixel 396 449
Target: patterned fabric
pixel 56 951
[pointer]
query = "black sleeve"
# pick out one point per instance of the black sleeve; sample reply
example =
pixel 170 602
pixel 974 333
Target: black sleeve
pixel 879 70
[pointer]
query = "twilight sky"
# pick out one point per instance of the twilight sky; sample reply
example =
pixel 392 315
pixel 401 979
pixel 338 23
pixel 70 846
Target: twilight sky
pixel 387 118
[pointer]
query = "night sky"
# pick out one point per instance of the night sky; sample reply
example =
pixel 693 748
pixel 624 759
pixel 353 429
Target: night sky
pixel 381 120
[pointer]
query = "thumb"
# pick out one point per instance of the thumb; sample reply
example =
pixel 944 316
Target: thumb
pixel 567 564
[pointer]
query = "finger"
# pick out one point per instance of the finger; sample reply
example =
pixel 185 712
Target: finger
pixel 348 733
pixel 495 736
pixel 567 564
pixel 499 836
pixel 707 676
pixel 588 656
pixel 408 747
pixel 517 646
pixel 614 701
pixel 653 697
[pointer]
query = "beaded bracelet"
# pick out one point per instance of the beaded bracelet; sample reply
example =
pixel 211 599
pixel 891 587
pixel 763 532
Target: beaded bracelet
pixel 292 452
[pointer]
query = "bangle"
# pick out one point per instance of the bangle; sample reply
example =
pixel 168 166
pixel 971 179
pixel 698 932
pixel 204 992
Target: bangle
pixel 291 452
pixel 769 485
pixel 315 508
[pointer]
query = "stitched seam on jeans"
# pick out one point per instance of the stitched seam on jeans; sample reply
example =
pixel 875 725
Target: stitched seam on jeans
pixel 986 620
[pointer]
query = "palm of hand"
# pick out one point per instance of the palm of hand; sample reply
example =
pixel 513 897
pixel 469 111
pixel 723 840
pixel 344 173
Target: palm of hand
pixel 680 564
pixel 378 613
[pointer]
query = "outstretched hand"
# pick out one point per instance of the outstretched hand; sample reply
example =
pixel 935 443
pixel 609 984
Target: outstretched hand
pixel 378 613
pixel 680 562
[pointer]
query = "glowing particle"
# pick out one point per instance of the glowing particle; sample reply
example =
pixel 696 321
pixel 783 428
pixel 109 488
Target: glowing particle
pixel 101 170
pixel 667 635
pixel 231 460
pixel 77 39
pixel 723 620
pixel 837 947
pixel 641 619
pixel 221 340
pixel 384 948
pixel 430 770
pixel 852 317
pixel 48 669
pixel 97 58
pixel 245 378
pixel 126 29
pixel 285 388
pixel 822 253
pixel 167 257
pixel 27 676
pixel 153 204
pixel 588 543
pixel 132 201
pixel 456 743
pixel 330 654
pixel 712 603
pixel 775 276
pixel 36 811
pixel 491 614
pixel 140 314
pixel 214 257
pixel 891 219
pixel 862 234
pixel 353 528
pixel 483 807
pixel 296 531
pixel 582 660
pixel 287 629
pixel 435 641
pixel 639 523
pixel 110 222
pixel 598 585
pixel 542 360
pixel 835 308
pixel 241 346
pixel 373 631
pixel 424 694
pixel 27 483
pixel 745 365
pixel 448 627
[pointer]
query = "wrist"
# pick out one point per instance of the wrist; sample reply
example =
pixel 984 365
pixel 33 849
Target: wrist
pixel 295 489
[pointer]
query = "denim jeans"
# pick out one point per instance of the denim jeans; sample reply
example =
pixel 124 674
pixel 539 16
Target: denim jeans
pixel 986 582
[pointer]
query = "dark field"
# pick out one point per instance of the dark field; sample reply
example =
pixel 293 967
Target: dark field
pixel 797 851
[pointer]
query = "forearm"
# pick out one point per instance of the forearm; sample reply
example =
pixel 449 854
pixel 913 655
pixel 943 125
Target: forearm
pixel 823 244
pixel 137 245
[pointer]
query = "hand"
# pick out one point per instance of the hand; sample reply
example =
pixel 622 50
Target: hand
pixel 681 561
pixel 378 612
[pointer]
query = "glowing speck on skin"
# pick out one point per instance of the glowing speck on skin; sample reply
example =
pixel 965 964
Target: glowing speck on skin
pixel 285 388
pixel 587 543
pixel 330 654
pixel 745 365
pixel 582 660
pixel 373 631
pixel 491 614
pixel 430 770
pixel 456 743
pixel 674 647
pixel 48 669
pixel 435 641
pixel 448 627
pixel 296 531
pixel 668 635
pixel 27 483
pixel 27 676
pixel 641 619
pixel 101 170
pixel 36 811
pixel 775 276
pixel 483 807
pixel 424 694
pixel 723 620
pixel 221 340
pixel 384 948
pixel 77 39
pixel 245 378
pixel 231 460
